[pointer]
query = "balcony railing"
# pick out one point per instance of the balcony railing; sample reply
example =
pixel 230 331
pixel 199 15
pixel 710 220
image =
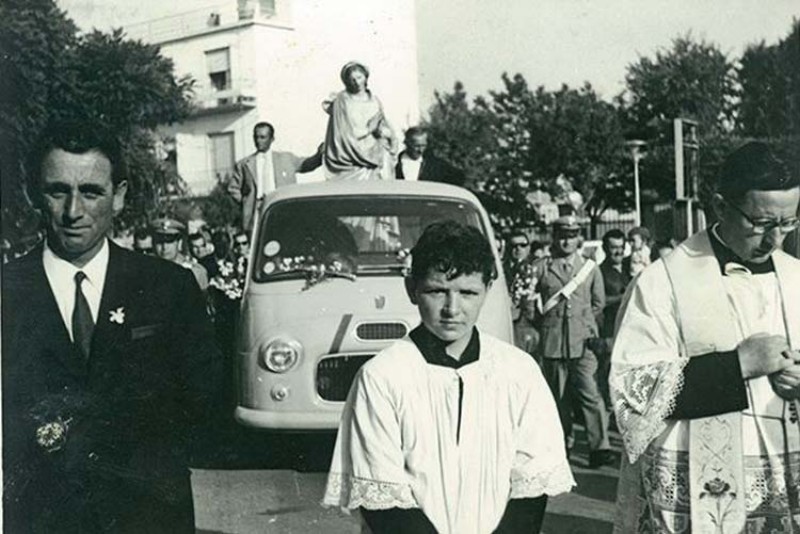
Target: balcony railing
pixel 183 24
pixel 207 19
pixel 210 101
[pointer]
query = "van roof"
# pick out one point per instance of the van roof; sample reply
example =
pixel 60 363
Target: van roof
pixel 369 188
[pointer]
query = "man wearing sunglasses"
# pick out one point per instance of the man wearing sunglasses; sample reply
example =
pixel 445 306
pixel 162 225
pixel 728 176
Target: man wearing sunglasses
pixel 706 366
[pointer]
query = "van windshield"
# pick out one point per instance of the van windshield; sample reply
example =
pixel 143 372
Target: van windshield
pixel 349 236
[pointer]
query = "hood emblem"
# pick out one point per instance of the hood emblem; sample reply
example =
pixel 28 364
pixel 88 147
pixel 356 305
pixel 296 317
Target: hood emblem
pixel 380 302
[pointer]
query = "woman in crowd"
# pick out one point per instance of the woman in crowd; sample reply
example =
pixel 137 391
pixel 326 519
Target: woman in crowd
pixel 359 143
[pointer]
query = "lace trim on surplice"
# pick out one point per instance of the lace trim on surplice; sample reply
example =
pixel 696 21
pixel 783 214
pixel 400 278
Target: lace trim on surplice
pixel 553 482
pixel 644 396
pixel 353 492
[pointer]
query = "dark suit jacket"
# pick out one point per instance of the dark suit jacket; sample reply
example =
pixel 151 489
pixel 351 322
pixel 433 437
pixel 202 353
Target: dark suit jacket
pixel 434 169
pixel 242 186
pixel 615 283
pixel 133 409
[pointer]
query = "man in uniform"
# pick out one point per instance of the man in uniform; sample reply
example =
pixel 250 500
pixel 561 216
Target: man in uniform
pixel 168 244
pixel 704 373
pixel 109 363
pixel 572 295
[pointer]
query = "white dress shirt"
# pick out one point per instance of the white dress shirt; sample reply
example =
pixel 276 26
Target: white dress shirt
pixel 265 179
pixel 61 276
pixel 410 167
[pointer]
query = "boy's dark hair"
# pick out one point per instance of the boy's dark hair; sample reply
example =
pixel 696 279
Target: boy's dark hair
pixel 75 137
pixel 753 167
pixel 454 249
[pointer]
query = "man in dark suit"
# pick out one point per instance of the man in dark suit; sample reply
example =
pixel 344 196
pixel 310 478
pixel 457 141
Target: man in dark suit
pixel 615 281
pixel 264 171
pixel 418 163
pixel 109 363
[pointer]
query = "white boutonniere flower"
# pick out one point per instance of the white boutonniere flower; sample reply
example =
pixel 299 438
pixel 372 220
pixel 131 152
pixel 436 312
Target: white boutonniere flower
pixel 118 315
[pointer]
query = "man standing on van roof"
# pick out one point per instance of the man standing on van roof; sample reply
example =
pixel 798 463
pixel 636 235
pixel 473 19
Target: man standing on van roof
pixel 572 293
pixel 449 430
pixel 264 171
pixel 417 162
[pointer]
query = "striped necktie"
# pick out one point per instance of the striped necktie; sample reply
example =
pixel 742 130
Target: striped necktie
pixel 82 322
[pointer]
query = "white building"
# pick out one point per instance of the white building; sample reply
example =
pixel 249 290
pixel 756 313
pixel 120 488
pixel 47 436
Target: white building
pixel 277 60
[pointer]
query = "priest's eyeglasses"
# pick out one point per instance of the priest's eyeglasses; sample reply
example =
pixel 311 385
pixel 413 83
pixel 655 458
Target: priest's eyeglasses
pixel 764 226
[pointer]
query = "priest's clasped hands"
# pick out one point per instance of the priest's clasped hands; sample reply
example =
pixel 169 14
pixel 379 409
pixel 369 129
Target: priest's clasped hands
pixel 764 354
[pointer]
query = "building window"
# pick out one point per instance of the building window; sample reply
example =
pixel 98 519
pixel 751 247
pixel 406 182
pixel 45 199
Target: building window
pixel 219 69
pixel 222 156
pixel 266 7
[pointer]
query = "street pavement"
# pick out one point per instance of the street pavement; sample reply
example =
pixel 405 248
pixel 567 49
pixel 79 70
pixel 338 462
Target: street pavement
pixel 273 483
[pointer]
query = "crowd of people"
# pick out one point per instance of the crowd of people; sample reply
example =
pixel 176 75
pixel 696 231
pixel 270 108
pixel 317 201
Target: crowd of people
pixel 111 363
pixel 693 347
pixel 573 342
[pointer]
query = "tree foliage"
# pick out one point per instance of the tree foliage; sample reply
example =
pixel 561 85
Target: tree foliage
pixel 518 141
pixel 691 80
pixel 52 74
pixel 770 88
pixel 36 40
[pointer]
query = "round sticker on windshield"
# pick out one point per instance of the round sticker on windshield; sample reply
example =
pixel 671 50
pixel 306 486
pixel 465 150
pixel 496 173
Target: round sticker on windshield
pixel 269 267
pixel 272 248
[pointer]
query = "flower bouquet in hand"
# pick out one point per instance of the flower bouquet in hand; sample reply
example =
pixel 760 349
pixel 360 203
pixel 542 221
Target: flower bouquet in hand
pixel 230 279
pixel 523 291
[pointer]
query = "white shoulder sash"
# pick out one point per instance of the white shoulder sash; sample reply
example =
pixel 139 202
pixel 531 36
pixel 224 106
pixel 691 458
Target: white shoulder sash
pixel 570 287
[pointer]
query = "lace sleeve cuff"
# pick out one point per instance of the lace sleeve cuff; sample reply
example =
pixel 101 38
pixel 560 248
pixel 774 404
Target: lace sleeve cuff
pixel 353 492
pixel 557 480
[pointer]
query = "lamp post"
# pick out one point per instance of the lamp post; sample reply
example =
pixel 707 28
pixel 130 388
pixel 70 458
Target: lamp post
pixel 636 147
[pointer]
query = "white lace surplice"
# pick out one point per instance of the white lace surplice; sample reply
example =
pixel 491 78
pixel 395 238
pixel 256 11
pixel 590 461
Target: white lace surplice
pixel 398 447
pixel 646 376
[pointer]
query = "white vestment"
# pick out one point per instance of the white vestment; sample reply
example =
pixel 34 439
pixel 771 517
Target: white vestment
pixel 729 473
pixel 399 444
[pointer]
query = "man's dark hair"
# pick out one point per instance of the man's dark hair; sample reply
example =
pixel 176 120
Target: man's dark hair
pixel 415 131
pixel 453 249
pixel 221 240
pixel 264 124
pixel 753 167
pixel 518 232
pixel 76 138
pixel 614 233
pixel 195 236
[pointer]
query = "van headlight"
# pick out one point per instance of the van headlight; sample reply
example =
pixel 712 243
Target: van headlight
pixel 281 354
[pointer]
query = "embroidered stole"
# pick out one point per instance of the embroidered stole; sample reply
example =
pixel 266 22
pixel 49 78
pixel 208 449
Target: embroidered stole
pixel 707 323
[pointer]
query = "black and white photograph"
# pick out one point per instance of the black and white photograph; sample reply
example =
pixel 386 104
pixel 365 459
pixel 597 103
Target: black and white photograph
pixel 400 266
